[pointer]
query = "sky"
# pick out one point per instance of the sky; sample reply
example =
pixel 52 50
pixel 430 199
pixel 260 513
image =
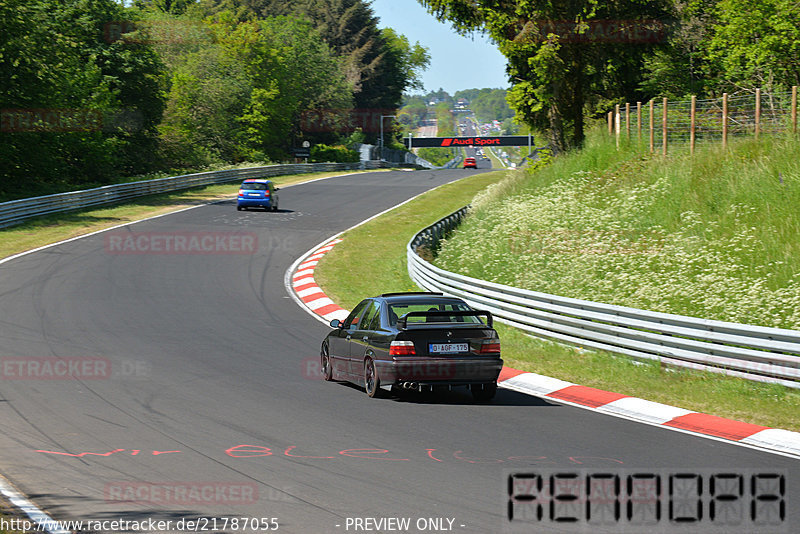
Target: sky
pixel 456 62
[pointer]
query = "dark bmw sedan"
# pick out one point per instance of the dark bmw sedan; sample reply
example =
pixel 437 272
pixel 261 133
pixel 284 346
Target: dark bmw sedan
pixel 419 341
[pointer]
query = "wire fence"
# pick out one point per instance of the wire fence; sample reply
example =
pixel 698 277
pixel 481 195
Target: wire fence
pixel 661 122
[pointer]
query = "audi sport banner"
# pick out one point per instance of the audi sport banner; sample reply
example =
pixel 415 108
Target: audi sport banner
pixel 505 140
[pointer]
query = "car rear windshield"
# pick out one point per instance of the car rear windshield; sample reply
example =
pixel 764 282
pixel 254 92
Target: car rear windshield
pixel 400 309
pixel 255 186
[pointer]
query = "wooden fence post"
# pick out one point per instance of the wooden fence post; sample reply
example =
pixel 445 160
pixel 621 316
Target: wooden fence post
pixel 628 119
pixel 610 123
pixel 758 112
pixel 639 121
pixel 652 133
pixel 664 128
pixel 724 120
pixel 794 109
pixel 616 122
pixel 692 136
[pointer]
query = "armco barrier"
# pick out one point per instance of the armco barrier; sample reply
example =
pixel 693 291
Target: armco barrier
pixel 16 211
pixel 752 352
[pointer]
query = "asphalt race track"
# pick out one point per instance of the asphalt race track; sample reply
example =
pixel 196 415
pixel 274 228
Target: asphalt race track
pixel 199 393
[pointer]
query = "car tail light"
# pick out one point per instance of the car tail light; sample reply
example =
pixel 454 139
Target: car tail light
pixel 241 192
pixel 402 348
pixel 266 193
pixel 491 346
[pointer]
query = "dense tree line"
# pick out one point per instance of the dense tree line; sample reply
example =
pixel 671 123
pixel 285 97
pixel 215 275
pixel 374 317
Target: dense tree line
pixel 76 107
pixel 92 90
pixel 487 104
pixel 569 61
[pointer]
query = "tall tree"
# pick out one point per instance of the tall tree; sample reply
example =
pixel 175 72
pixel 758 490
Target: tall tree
pixel 682 66
pixel 174 7
pixel 379 64
pixel 757 43
pixel 407 62
pixel 562 55
pixel 86 103
pixel 292 72
pixel 209 90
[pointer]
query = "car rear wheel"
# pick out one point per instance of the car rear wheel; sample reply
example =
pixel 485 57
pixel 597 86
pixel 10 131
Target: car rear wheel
pixel 239 208
pixel 327 368
pixel 372 383
pixel 275 206
pixel 484 392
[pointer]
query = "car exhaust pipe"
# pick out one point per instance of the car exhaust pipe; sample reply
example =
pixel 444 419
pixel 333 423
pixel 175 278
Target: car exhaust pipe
pixel 410 385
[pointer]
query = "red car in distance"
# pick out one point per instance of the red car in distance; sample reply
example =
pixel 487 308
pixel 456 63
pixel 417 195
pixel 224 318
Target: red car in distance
pixel 470 163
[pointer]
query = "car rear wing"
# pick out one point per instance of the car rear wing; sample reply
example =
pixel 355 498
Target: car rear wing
pixel 403 324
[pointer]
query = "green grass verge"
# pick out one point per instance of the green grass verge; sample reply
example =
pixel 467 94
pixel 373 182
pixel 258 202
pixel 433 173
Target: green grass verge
pixel 57 227
pixel 496 163
pixel 713 235
pixel 353 271
pixel 372 260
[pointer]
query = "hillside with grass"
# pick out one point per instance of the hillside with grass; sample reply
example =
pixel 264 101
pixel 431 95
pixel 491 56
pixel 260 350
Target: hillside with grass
pixel 714 235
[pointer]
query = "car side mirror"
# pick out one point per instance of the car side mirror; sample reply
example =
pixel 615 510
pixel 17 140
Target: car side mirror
pixel 336 323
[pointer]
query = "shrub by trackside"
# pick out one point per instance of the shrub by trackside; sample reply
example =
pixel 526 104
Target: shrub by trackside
pixel 333 154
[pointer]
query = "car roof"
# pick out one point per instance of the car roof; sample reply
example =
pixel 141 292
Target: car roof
pixel 392 298
pixel 256 181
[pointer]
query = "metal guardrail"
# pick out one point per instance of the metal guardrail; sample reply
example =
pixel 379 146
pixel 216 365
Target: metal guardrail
pixel 752 352
pixel 452 163
pixel 16 211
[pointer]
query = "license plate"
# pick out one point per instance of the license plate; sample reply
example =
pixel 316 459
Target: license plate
pixel 253 194
pixel 448 348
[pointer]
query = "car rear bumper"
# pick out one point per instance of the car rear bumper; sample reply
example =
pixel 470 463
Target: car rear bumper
pixel 254 202
pixel 440 371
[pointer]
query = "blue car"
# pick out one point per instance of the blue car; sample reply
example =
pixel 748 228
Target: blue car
pixel 257 193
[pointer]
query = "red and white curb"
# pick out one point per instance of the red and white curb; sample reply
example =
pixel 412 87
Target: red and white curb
pixel 306 289
pixel 784 442
pixel 775 440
